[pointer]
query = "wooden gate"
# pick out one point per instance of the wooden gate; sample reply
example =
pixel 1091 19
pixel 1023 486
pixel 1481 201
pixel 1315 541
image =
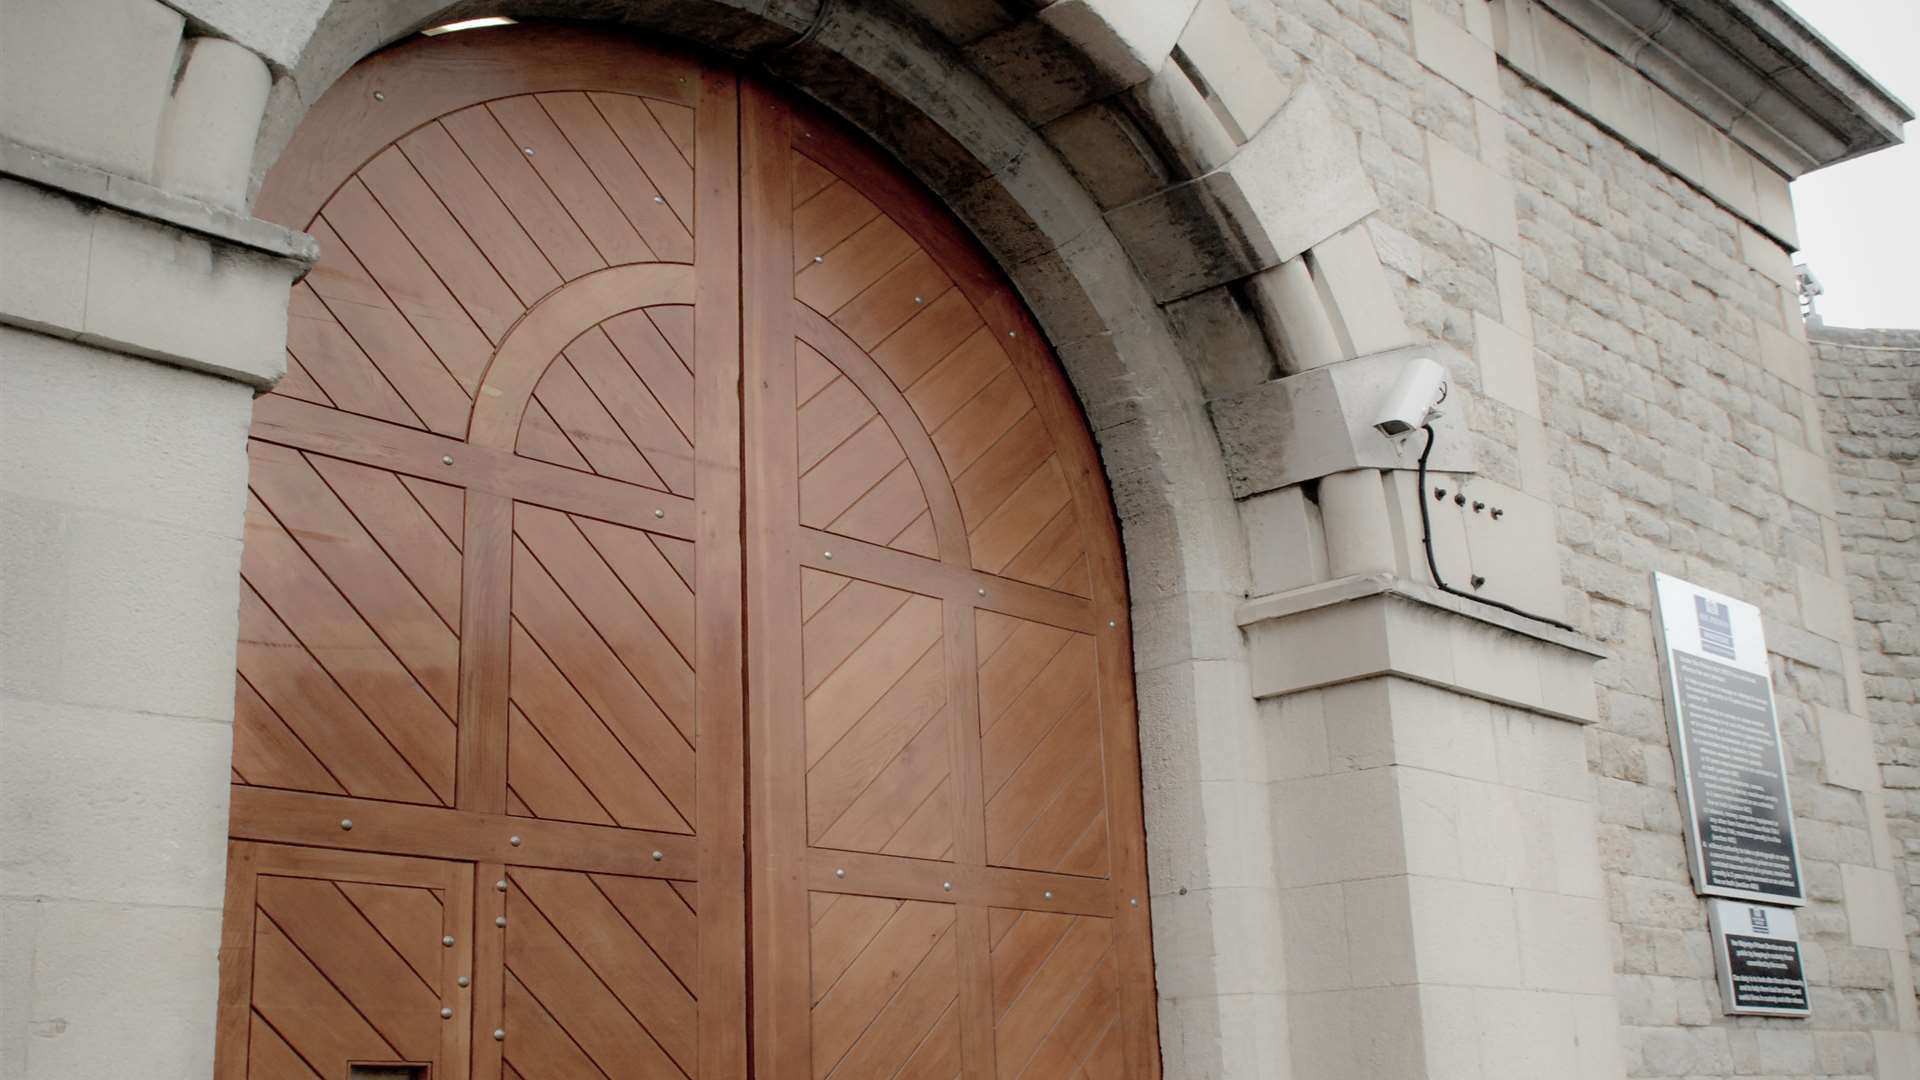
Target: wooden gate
pixel 683 630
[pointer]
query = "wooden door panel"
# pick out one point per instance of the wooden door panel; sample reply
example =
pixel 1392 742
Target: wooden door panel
pixel 885 986
pixel 877 722
pixel 1055 996
pixel 491 615
pixel 934 543
pixel 612 372
pixel 581 971
pixel 333 958
pixel 1042 772
pixel 348 668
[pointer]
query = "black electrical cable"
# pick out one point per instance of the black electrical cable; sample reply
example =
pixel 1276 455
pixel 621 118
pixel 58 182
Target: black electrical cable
pixel 1426 540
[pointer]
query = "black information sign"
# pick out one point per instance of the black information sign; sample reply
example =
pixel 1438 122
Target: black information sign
pixel 1735 776
pixel 1726 745
pixel 1758 954
pixel 1765 973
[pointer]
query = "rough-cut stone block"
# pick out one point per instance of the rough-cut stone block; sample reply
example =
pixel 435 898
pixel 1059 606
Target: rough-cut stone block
pixel 1076 51
pixel 1471 194
pixel 1456 55
pixel 1347 271
pixel 1219 52
pixel 1296 183
pixel 88 79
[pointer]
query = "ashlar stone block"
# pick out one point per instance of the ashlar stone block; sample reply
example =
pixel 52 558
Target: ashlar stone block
pixel 1347 271
pixel 1296 183
pixel 88 79
pixel 1218 51
pixel 206 146
pixel 1076 51
pixel 1846 750
pixel 1108 153
pixel 1470 193
pixel 1507 373
pixel 1454 53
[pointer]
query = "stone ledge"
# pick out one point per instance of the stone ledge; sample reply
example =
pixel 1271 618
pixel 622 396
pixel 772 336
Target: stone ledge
pixel 1373 625
pixel 83 269
pixel 19 161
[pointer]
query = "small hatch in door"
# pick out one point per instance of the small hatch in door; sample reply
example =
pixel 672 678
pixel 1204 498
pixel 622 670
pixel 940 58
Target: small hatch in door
pixel 387 1072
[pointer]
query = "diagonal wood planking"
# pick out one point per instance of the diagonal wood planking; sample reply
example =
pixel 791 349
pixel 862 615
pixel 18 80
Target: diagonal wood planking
pixel 590 990
pixel 877 727
pixel 884 987
pixel 1055 1004
pixel 867 275
pixel 1041 761
pixel 855 479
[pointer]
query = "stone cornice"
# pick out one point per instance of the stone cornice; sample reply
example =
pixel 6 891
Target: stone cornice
pixel 1754 70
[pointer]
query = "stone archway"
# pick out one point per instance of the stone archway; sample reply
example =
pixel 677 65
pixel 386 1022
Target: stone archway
pixel 1115 191
pixel 934 108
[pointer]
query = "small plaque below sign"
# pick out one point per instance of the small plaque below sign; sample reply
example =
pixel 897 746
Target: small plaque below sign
pixel 1757 951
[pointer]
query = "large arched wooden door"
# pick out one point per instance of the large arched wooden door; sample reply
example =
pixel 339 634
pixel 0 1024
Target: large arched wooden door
pixel 683 628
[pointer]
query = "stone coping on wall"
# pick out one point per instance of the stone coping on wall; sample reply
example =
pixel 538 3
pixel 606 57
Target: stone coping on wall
pixel 143 200
pixel 1373 625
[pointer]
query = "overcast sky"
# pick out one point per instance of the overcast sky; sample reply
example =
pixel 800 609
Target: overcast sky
pixel 1860 220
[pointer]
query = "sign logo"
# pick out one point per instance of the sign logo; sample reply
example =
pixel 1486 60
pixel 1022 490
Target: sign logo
pixel 1758 917
pixel 1716 626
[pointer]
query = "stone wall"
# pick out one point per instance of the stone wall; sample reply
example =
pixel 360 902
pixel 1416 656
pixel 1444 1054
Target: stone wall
pixel 1870 384
pixel 1677 428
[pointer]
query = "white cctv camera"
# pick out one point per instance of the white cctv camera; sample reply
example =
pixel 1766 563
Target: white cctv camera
pixel 1414 398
